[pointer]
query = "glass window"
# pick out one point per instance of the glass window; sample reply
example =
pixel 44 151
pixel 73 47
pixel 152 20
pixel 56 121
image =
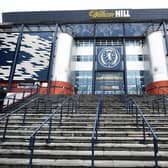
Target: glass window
pixel 83 80
pixel 135 81
pixel 82 58
pixel 135 57
pixel 111 42
pixel 107 30
pixel 7 50
pixel 33 59
pixel 134 42
pixel 84 43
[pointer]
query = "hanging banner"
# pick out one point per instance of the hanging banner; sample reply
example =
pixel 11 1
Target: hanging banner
pixel 109 58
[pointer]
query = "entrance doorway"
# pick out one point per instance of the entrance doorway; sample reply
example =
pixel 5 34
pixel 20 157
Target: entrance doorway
pixel 109 83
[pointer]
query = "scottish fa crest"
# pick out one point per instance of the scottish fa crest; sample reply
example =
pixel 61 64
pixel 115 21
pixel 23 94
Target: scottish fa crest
pixel 109 57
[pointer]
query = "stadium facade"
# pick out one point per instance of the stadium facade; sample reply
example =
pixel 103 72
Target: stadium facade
pixel 113 51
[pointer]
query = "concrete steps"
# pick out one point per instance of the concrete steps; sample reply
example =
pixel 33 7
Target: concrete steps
pixel 120 143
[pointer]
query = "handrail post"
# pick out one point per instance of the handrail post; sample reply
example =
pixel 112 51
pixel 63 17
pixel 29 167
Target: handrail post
pixel 92 157
pixel 127 105
pixel 60 120
pixel 5 129
pixel 45 104
pixel 8 103
pixel 144 134
pixel 31 147
pixel 153 106
pixel 96 133
pixel 132 107
pixel 76 106
pixel 14 98
pixel 68 106
pixel 37 105
pixel 129 108
pixel 137 117
pixel 72 108
pixel 79 101
pixel 164 105
pixel 49 131
pixel 155 143
pixel 23 95
pixel 24 116
pixel 158 107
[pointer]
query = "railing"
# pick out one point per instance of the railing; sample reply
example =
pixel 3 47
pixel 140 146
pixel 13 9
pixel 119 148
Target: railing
pixel 72 106
pixel 131 106
pixel 95 129
pixel 12 99
pixel 158 102
pixel 7 116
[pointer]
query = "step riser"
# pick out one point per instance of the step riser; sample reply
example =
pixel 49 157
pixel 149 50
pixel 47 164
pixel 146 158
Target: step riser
pixel 83 157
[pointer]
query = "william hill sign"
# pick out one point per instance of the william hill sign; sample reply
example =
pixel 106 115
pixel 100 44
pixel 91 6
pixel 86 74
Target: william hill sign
pixel 109 14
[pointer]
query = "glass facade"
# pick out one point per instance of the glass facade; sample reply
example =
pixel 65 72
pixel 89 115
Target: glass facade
pixel 111 81
pixel 83 57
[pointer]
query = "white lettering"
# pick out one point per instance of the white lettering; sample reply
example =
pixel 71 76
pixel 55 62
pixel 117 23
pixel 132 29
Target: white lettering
pixel 126 13
pixel 117 13
pixel 122 13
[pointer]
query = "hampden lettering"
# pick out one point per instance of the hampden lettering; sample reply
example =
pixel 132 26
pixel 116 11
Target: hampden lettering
pixel 104 14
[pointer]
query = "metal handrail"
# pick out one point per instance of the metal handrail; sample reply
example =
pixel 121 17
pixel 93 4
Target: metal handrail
pixel 49 119
pixel 14 99
pixel 131 104
pixel 156 101
pixel 13 112
pixel 95 129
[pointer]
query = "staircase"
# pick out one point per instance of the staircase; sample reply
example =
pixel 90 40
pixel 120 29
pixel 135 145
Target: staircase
pixel 120 143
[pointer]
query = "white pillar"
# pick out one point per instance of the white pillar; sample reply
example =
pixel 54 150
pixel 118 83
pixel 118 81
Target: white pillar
pixel 62 61
pixel 157 56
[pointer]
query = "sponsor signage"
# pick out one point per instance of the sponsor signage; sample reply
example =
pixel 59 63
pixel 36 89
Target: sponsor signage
pixel 109 58
pixel 109 14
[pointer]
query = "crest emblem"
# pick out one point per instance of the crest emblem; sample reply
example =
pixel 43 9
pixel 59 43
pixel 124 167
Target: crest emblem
pixel 109 57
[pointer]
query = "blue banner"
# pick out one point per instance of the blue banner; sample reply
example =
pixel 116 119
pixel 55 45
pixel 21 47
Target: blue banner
pixel 109 58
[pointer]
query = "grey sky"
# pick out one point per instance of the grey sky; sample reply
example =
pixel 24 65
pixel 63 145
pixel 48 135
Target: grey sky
pixel 44 5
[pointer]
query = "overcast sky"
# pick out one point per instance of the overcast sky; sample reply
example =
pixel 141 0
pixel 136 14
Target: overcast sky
pixel 44 5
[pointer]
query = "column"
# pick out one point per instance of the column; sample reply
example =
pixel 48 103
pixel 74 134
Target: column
pixel 158 64
pixel 60 80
